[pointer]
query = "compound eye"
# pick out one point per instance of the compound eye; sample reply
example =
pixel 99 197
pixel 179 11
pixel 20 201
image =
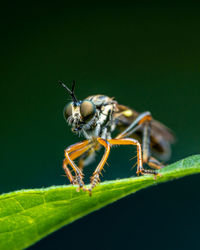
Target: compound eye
pixel 87 109
pixel 67 110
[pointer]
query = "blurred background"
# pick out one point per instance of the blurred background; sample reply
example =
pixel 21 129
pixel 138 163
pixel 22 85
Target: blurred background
pixel 147 57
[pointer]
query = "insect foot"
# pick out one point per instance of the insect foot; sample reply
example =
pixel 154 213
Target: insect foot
pixel 89 190
pixel 84 189
pixel 147 171
pixel 139 172
pixel 78 181
pixel 94 182
pixel 157 175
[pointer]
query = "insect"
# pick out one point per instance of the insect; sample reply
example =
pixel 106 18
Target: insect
pixel 96 118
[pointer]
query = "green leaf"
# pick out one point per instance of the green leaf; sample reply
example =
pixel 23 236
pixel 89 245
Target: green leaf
pixel 26 216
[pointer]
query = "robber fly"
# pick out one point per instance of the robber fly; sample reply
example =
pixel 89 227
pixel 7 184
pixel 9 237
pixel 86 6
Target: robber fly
pixel 96 118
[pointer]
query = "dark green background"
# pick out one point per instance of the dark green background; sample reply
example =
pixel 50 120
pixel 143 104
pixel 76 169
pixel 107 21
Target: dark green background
pixel 148 57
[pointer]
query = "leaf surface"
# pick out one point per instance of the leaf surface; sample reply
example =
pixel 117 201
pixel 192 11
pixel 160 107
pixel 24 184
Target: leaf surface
pixel 26 216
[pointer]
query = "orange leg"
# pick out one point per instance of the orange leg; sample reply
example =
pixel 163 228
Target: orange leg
pixel 130 141
pixel 144 120
pixel 89 152
pixel 71 153
pixel 79 152
pixel 95 177
pixel 73 156
pixel 126 141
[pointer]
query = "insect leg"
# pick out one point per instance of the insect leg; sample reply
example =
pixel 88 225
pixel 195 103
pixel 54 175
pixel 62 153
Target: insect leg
pixel 130 141
pixel 88 156
pixel 143 120
pixel 154 163
pixel 95 177
pixel 71 153
pixel 135 125
pixel 79 153
pixel 147 158
pixel 146 141
pixel 71 178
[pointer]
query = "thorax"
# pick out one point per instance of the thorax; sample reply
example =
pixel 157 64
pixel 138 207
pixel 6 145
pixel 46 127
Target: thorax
pixel 103 123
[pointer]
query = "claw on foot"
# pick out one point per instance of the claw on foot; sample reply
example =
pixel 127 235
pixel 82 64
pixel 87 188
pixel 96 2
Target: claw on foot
pixel 94 180
pixel 157 175
pixel 84 189
pixel 147 171
pixel 89 190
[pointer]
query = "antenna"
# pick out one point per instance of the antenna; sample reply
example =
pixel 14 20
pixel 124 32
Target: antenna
pixel 71 92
